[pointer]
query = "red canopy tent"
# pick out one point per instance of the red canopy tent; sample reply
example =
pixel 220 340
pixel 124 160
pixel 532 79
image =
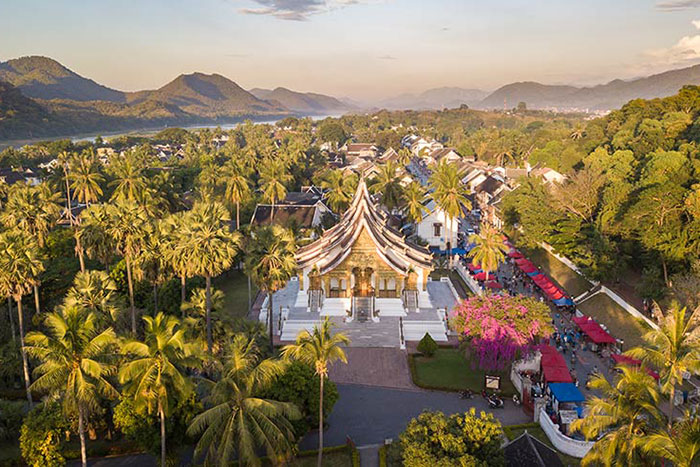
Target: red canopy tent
pixel 474 267
pixel 522 261
pixel 593 330
pixel 493 285
pixel 554 366
pixel 557 374
pixel 555 294
pixel 625 360
pixel 482 276
pixel 515 254
pixel 527 268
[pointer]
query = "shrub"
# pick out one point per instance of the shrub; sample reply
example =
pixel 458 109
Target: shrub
pixel 427 345
pixel 41 434
pixel 11 415
pixel 433 439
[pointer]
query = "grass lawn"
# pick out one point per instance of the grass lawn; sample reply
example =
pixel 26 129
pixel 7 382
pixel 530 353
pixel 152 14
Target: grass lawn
pixel 462 288
pixel 572 282
pixel 619 322
pixel 536 431
pixel 448 369
pixel 234 285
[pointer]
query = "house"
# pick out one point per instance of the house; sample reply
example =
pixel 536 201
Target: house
pixel 488 195
pixel 526 450
pixel 436 229
pixel 447 154
pixel 548 175
pixel 301 209
pixel 473 177
pixel 11 176
pixel 362 150
pixel 389 155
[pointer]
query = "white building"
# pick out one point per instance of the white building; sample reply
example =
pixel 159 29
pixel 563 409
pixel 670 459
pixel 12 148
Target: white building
pixel 436 229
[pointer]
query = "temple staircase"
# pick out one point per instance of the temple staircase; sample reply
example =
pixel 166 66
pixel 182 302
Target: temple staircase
pixel 362 308
pixel 410 300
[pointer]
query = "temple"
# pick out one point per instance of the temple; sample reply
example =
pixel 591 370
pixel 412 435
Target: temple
pixel 362 265
pixel 368 278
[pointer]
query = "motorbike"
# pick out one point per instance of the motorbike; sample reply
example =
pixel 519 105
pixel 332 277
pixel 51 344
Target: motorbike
pixel 516 400
pixel 466 394
pixel 495 402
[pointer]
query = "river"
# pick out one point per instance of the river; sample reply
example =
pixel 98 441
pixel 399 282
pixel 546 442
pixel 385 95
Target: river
pixel 147 131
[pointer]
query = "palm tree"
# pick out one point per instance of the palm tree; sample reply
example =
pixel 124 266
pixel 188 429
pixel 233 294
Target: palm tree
pixel 173 249
pixel 339 189
pixel 86 178
pixel 387 184
pixel 34 210
pixel 673 349
pixel 65 159
pixel 128 226
pixel 320 350
pixel 94 236
pixel 414 200
pixel 20 267
pixel 239 422
pixel 128 181
pixel 209 247
pixel 681 446
pixel 237 186
pixel 151 264
pixel 96 292
pixel 489 250
pixel 155 373
pixel 449 194
pixel 270 262
pixel 72 365
pixel 194 311
pixel 619 420
pixel 405 156
pixel 208 181
pixel 274 177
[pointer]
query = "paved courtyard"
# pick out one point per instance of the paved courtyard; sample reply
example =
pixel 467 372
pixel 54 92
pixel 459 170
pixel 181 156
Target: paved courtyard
pixel 385 367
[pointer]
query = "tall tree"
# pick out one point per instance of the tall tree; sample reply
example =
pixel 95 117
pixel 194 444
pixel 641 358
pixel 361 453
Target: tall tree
pixel 339 189
pixel 270 262
pixel 65 159
pixel 414 202
pixel 174 251
pixel 94 234
pixel 386 183
pixel 239 422
pixel 237 186
pixel 73 363
pixel 449 194
pixel 620 418
pixel 96 292
pixel 674 349
pixel 128 226
pixel 680 446
pixel 320 350
pixel 209 247
pixel 129 180
pixel 489 250
pixel 86 178
pixel 20 267
pixel 154 374
pixel 274 177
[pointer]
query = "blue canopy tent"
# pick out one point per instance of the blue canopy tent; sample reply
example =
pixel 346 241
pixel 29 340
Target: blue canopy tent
pixel 565 301
pixel 566 392
pixel 533 274
pixel 455 251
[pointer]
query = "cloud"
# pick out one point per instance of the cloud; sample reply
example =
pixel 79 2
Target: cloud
pixel 696 23
pixel 683 53
pixel 386 57
pixel 677 5
pixel 297 10
pixel 444 28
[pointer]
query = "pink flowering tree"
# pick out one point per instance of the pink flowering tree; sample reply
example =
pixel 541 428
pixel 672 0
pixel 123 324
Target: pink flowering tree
pixel 501 328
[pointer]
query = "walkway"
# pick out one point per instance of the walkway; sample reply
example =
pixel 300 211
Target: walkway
pixel 369 415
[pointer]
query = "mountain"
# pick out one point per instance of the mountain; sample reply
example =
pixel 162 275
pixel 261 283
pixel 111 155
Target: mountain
pixel 45 78
pixel 207 96
pixel 304 102
pixel 436 98
pixel 602 97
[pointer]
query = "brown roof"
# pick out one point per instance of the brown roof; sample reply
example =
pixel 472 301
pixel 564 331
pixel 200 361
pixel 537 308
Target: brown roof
pixel 285 215
pixel 336 243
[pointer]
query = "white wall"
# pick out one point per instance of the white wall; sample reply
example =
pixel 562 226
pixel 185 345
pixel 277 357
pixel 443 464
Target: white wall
pixel 425 230
pixel 561 442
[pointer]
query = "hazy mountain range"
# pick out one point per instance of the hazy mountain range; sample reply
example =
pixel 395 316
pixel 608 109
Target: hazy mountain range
pixel 39 97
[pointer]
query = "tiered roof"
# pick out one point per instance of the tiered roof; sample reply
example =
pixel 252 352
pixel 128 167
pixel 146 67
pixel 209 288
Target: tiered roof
pixel 336 243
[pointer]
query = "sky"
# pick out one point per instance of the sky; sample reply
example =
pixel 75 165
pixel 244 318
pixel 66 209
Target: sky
pixel 363 49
